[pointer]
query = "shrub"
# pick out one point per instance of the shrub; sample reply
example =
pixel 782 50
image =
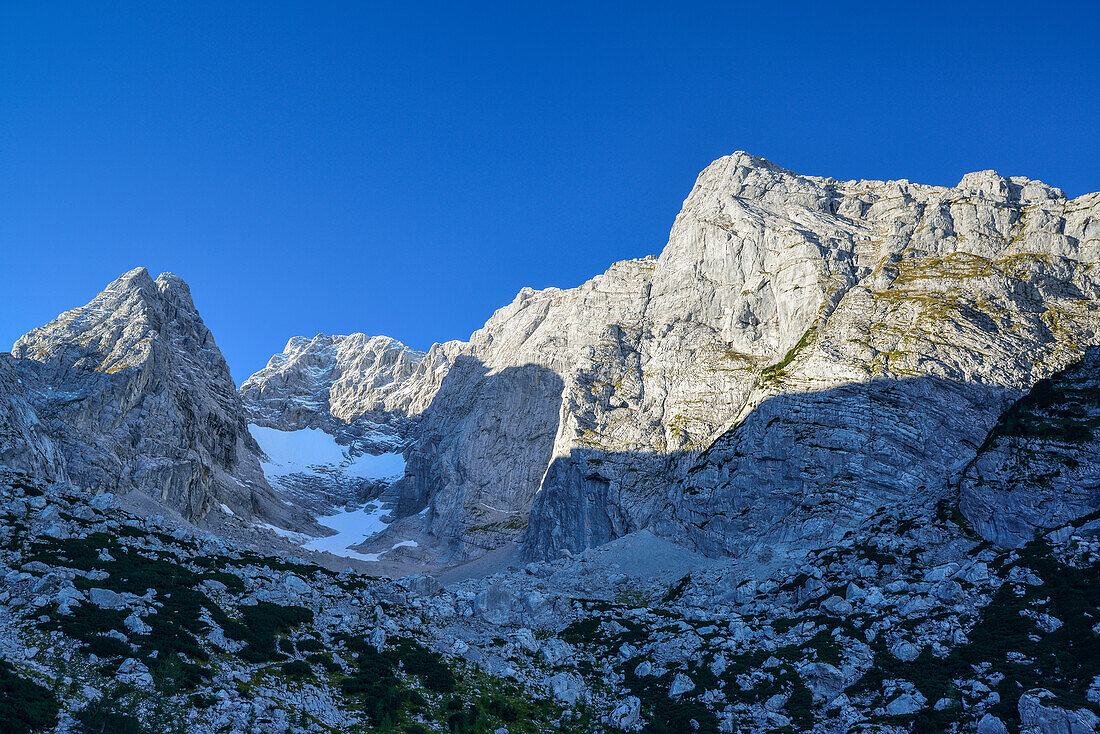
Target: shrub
pixel 108 714
pixel 25 706
pixel 262 622
pixel 297 669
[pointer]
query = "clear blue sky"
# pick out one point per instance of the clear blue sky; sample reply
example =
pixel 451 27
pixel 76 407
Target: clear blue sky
pixel 405 168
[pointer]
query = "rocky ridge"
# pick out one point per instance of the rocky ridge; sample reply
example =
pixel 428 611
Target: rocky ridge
pixel 356 387
pixel 803 351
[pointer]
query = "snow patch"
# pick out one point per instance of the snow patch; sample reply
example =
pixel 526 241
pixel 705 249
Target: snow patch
pixel 352 528
pixel 312 451
pixel 298 538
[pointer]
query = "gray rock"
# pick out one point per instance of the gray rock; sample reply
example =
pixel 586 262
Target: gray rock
pixel 1037 716
pixel 990 724
pixel 136 395
pixel 905 650
pixel 107 599
pixel 420 585
pixel 102 502
pixel 567 688
pixel 137 625
pixel 825 681
pixel 627 714
pixel 294 584
pixel 906 703
pixel 681 684
pixel 526 640
pixel 25 443
pixel 837 605
pixel 777 702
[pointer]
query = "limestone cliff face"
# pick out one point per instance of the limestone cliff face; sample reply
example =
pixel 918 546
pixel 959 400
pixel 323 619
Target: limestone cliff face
pixel 858 339
pixel 803 351
pixel 480 453
pixel 137 396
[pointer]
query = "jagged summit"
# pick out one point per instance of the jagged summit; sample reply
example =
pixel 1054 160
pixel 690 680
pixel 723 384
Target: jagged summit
pixel 749 176
pixel 121 326
pixel 136 393
pixel 346 376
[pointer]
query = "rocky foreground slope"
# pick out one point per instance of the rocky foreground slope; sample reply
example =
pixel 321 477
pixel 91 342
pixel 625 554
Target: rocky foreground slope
pixel 113 622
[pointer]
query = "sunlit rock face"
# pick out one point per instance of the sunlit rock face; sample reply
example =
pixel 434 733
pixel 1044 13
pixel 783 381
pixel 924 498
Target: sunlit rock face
pixel 803 351
pixel 834 347
pixel 347 377
pixel 137 396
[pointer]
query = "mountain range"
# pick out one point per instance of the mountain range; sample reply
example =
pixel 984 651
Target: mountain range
pixel 807 364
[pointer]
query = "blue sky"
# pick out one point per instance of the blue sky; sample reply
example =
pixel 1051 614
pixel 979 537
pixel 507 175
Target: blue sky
pixel 405 168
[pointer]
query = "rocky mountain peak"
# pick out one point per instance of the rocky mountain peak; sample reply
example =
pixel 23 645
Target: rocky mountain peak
pixel 137 395
pixel 348 377
pixel 992 185
pixel 174 289
pixel 122 326
pixel 138 278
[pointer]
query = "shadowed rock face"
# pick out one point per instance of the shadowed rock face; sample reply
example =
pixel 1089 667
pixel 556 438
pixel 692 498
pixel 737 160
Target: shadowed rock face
pixel 772 286
pixel 1040 465
pixel 25 446
pixel 136 394
pixel 483 447
pixel 805 469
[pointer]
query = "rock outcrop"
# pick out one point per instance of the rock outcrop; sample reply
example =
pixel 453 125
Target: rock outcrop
pixel 137 396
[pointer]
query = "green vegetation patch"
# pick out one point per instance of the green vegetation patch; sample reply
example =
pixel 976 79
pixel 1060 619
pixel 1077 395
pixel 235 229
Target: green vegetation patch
pixel 263 622
pixel 25 706
pixel 171 648
pixel 773 374
pixel 408 681
pixel 665 715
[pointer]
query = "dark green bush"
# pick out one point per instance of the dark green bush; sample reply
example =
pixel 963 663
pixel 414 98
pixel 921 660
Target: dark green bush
pixel 108 714
pixel 297 669
pixel 25 706
pixel 262 622
pixel 106 647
